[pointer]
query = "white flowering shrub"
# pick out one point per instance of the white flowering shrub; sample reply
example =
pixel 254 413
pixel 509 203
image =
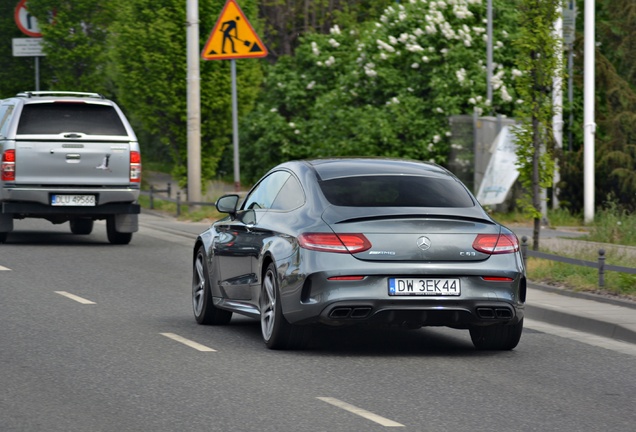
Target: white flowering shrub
pixel 385 88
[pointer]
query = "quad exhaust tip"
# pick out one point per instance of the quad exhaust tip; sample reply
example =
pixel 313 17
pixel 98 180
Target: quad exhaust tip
pixel 350 312
pixel 494 313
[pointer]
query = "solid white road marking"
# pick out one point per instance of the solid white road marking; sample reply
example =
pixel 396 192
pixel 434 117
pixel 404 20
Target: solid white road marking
pixel 590 339
pixel 188 342
pixel 4 268
pixel 74 297
pixel 362 413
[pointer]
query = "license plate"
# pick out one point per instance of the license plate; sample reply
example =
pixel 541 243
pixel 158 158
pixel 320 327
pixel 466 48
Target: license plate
pixel 73 200
pixel 424 287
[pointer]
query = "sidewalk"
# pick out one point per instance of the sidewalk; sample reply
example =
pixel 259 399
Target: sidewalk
pixel 601 316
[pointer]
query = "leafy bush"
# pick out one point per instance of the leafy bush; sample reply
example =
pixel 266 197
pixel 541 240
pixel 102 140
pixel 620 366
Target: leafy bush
pixel 385 88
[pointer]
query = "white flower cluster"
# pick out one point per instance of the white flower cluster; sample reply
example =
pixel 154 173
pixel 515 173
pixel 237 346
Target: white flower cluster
pixel 334 43
pixel 314 49
pixel 369 70
pixel 461 75
pixel 385 46
pixel 461 11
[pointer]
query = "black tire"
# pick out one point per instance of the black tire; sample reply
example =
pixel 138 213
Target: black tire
pixel 114 236
pixel 277 332
pixel 82 226
pixel 496 337
pixel 3 237
pixel 202 304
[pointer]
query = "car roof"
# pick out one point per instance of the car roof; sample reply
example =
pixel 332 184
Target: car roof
pixel 331 168
pixel 30 97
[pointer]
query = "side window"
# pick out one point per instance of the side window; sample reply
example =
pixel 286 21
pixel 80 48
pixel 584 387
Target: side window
pixel 5 117
pixel 266 191
pixel 290 197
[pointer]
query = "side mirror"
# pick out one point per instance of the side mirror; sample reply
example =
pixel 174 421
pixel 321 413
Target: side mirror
pixel 227 204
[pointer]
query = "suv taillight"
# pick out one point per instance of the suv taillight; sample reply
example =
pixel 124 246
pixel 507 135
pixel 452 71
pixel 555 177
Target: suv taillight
pixel 135 167
pixel 8 165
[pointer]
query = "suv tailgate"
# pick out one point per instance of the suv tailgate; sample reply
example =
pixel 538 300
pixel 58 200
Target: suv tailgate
pixel 72 162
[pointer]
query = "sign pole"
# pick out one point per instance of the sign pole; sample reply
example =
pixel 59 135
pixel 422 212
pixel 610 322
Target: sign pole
pixel 233 37
pixel 237 174
pixel 37 73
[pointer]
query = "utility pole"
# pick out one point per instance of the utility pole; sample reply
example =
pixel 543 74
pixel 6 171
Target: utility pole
pixel 489 52
pixel 557 120
pixel 589 127
pixel 193 101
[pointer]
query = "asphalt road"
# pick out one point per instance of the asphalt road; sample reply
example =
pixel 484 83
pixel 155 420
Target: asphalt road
pixel 96 337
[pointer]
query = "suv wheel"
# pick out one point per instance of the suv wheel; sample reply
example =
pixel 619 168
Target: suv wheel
pixel 81 226
pixel 114 236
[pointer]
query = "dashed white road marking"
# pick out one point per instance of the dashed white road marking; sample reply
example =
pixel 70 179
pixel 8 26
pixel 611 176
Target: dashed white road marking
pixel 362 413
pixel 74 297
pixel 4 268
pixel 197 346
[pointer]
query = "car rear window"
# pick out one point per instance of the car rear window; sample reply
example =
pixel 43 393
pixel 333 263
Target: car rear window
pixel 59 117
pixel 396 191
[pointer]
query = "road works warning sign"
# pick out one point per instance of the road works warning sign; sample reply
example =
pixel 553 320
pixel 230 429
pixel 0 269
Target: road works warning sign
pixel 233 37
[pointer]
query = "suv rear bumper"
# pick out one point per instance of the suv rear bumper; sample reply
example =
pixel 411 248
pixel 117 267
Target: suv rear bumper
pixel 31 208
pixel 42 195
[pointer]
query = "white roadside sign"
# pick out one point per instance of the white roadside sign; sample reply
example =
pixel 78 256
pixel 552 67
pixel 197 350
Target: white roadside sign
pixel 502 171
pixel 27 47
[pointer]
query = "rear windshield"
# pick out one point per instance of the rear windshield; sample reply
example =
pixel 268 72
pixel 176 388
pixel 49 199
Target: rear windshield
pixel 59 117
pixel 396 191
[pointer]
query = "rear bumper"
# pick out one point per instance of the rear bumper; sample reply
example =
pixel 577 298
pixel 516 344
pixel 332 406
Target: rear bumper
pixel 42 195
pixel 459 314
pixel 37 209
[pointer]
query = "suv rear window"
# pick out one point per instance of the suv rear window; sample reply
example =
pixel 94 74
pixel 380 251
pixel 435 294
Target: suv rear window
pixel 59 117
pixel 396 191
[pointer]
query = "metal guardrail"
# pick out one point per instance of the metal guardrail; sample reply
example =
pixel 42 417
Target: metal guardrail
pixel 599 264
pixel 168 191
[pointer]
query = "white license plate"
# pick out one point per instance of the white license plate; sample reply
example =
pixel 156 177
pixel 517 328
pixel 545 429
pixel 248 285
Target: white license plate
pixel 73 200
pixel 424 287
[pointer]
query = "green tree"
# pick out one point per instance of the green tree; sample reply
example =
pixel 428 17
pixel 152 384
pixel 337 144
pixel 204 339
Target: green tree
pixel 285 21
pixel 17 73
pixel 148 49
pixel 75 33
pixel 615 111
pixel 539 63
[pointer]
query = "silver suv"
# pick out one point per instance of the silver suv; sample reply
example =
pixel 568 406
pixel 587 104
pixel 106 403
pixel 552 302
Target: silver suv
pixel 68 156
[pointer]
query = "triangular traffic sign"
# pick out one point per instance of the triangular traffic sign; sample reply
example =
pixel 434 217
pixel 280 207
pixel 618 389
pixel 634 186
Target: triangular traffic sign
pixel 233 37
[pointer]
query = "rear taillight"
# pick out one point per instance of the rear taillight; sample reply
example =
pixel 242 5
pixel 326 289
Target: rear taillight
pixel 135 167
pixel 338 243
pixel 493 244
pixel 8 165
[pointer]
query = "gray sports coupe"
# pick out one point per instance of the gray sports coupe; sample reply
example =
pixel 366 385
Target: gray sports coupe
pixel 353 241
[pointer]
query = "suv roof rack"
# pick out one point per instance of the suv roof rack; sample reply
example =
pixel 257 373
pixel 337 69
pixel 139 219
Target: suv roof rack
pixel 30 94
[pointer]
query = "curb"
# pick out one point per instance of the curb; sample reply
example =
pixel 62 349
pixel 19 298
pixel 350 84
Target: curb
pixel 582 324
pixel 579 322
pixel 584 295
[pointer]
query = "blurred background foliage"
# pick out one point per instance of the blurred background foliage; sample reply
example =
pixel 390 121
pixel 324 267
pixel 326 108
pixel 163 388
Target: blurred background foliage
pixel 328 87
